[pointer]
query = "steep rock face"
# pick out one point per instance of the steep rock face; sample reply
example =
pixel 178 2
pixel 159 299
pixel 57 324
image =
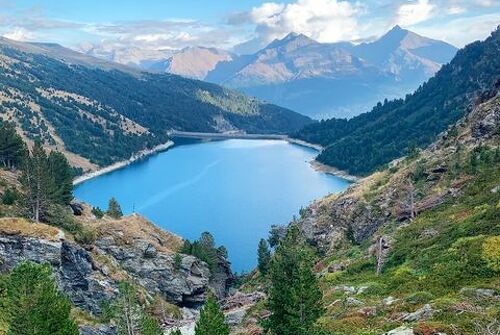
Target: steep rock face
pixel 155 271
pixel 221 278
pixel 128 249
pixel 74 270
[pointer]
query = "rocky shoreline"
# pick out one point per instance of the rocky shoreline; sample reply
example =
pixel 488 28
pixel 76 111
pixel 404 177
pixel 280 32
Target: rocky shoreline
pixel 119 165
pixel 333 171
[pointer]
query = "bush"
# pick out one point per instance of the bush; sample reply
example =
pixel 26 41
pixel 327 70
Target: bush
pixel 491 252
pixel 99 213
pixel 418 298
pixel 9 197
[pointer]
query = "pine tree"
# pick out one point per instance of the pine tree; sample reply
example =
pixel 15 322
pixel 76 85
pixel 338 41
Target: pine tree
pixel 114 209
pixel 263 256
pixel 211 320
pixel 295 298
pixel 35 306
pixel 12 147
pixel 38 183
pixel 150 326
pixel 62 176
pixel 128 311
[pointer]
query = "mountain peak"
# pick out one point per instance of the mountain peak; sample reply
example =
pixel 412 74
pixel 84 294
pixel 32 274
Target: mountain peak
pixel 292 41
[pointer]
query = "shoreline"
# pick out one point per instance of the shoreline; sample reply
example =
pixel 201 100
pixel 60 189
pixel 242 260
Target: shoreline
pixel 333 171
pixel 165 146
pixel 244 136
pixel 121 164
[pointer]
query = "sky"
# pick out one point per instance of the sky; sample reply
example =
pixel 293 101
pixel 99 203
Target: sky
pixel 238 25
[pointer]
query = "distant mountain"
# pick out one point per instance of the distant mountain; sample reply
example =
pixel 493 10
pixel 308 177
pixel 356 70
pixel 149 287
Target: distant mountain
pixel 191 62
pixel 409 56
pixel 339 79
pixel 130 56
pixel 83 106
pixel 317 79
pixel 367 142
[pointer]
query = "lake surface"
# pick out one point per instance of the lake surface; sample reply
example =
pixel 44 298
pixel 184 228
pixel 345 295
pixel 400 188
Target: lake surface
pixel 235 189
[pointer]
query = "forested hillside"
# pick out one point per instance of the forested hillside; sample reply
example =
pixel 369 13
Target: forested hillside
pixel 368 141
pixel 410 250
pixel 82 108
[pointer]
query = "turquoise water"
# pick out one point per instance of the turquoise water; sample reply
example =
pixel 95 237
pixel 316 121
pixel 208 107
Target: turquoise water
pixel 235 189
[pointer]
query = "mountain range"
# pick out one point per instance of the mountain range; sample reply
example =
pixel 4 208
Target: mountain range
pixel 316 79
pixel 83 106
pixel 397 127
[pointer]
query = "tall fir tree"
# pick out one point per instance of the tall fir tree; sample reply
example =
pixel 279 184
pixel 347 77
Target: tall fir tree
pixel 35 305
pixel 38 183
pixel 128 310
pixel 211 320
pixel 128 314
pixel 62 176
pixel 114 209
pixel 12 147
pixel 295 299
pixel 263 256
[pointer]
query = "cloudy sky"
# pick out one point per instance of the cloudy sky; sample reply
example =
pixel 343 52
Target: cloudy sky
pixel 242 25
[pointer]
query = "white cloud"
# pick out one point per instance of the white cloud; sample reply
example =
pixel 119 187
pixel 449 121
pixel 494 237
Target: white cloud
pixel 455 10
pixel 20 34
pixel 414 12
pixel 323 20
pixel 461 31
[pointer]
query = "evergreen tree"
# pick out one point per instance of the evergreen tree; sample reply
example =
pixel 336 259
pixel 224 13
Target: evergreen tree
pixel 114 209
pixel 128 314
pixel 150 326
pixel 12 147
pixel 211 320
pixel 35 306
pixel 263 256
pixel 295 298
pixel 38 183
pixel 127 310
pixel 62 176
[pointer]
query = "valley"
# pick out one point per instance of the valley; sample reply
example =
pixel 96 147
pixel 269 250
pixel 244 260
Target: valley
pixel 277 168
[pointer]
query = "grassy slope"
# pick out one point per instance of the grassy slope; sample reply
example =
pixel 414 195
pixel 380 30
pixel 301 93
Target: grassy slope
pixel 450 249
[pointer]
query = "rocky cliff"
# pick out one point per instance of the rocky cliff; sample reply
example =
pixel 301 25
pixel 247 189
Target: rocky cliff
pixel 130 249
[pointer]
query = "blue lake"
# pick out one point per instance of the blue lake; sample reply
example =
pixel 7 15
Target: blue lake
pixel 235 189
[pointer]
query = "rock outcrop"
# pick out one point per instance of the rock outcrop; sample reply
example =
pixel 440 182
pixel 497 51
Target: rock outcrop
pixel 74 270
pixel 127 249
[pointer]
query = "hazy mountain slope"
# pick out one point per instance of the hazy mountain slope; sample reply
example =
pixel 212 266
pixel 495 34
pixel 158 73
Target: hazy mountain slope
pixel 130 56
pixel 409 56
pixel 320 80
pixel 193 62
pixel 339 79
pixel 370 140
pixel 86 105
pixel 297 71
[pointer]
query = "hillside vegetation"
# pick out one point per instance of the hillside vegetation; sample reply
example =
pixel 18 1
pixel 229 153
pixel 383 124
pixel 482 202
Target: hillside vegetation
pixel 367 142
pixel 85 109
pixel 414 248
